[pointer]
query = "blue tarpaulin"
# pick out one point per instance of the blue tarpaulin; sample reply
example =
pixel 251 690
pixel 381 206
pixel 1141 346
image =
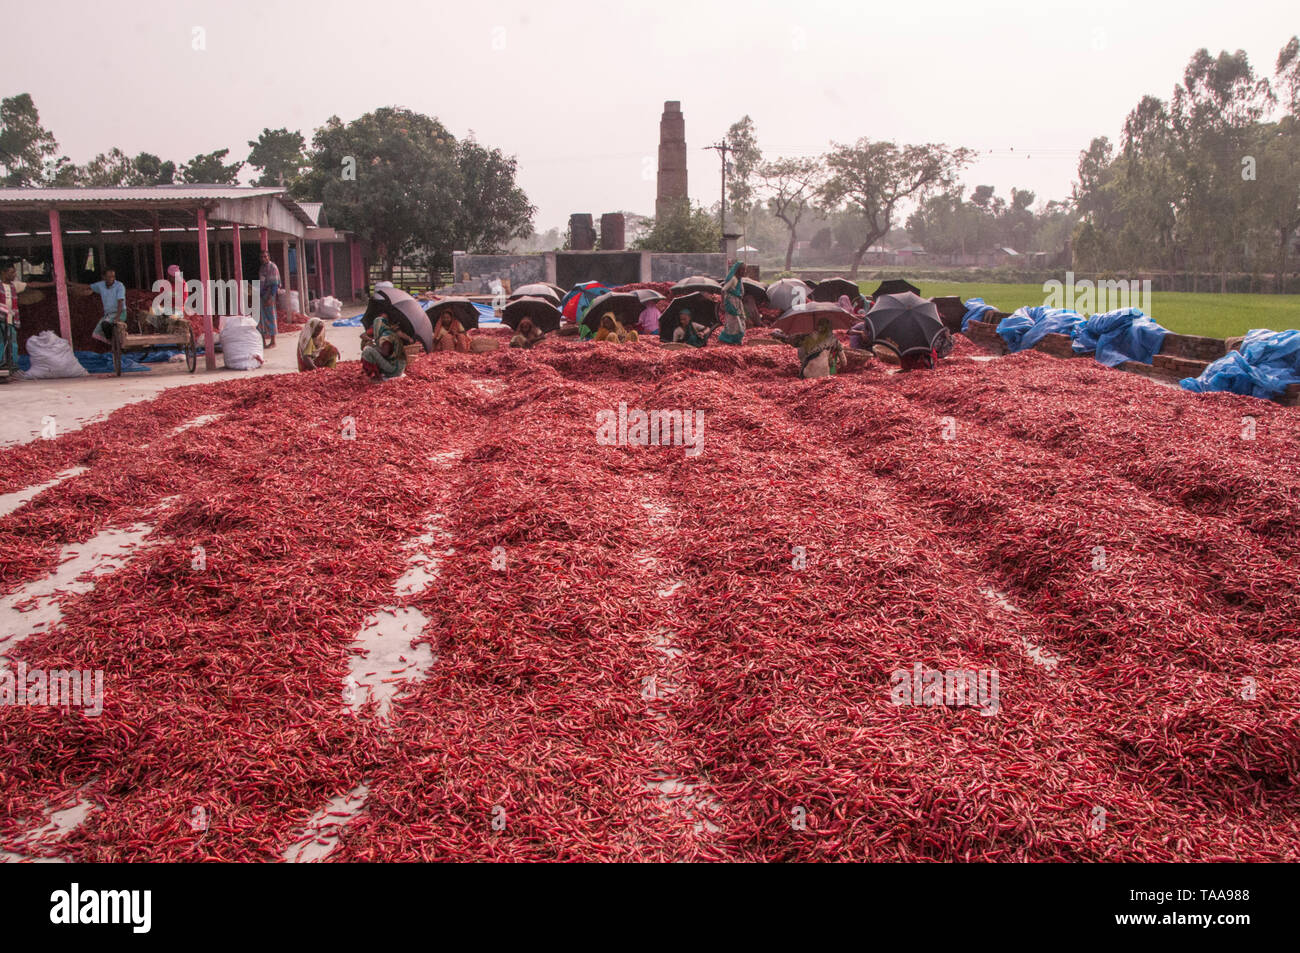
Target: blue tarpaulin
pixel 975 311
pixel 1266 364
pixel 96 362
pixel 1027 326
pixel 352 322
pixel 1126 334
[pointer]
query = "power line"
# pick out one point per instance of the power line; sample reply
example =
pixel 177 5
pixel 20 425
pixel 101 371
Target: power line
pixel 722 148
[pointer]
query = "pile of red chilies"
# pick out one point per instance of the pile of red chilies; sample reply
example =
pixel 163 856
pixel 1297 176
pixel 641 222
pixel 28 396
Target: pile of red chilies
pixel 1121 554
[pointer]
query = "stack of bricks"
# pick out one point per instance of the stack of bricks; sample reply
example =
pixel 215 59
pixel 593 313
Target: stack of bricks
pixel 1057 345
pixel 985 334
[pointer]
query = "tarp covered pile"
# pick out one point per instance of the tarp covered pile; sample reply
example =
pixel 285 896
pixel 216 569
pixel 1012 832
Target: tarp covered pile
pixel 1125 334
pixel 1267 363
pixel 1027 326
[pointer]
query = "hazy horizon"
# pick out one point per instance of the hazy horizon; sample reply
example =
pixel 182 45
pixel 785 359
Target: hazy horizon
pixel 1027 88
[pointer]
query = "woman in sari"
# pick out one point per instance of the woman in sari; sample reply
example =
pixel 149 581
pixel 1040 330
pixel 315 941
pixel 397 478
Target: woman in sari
pixel 313 350
pixel 688 332
pixel 527 334
pixel 268 277
pixel 611 329
pixel 449 335
pixel 820 353
pixel 733 307
pixel 385 356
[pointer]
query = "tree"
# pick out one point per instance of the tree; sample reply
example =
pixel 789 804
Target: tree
pixel 278 156
pixel 1287 75
pixel 492 208
pixel 209 169
pixel 108 169
pixel 403 182
pixel 390 176
pixel 688 228
pixel 745 160
pixel 150 170
pixel 791 187
pixel 25 145
pixel 874 178
pixel 945 224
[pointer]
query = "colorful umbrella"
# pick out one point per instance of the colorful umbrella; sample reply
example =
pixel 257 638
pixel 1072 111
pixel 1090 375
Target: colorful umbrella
pixel 803 319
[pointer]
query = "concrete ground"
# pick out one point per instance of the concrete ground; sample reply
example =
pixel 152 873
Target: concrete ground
pixel 74 402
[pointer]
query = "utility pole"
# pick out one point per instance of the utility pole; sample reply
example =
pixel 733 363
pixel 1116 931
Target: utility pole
pixel 721 148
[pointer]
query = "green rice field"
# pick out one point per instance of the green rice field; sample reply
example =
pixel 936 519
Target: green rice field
pixel 1213 315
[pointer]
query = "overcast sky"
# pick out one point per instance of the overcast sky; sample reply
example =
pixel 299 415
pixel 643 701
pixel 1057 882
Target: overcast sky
pixel 575 88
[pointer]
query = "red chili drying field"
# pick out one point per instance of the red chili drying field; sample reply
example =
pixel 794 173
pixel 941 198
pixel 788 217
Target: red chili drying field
pixel 628 662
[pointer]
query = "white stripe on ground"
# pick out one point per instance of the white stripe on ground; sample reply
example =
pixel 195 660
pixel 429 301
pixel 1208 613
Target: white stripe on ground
pixel 389 659
pixel 78 567
pixel 1037 654
pixel 200 421
pixel 56 827
pixel 11 501
pixel 688 799
pixel 425 564
pixel 321 834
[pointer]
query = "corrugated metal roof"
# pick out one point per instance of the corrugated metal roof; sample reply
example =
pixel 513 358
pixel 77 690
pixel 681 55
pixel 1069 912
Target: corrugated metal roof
pixel 313 210
pixel 147 193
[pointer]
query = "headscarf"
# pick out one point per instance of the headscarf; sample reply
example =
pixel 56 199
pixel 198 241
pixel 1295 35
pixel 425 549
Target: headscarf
pixel 307 337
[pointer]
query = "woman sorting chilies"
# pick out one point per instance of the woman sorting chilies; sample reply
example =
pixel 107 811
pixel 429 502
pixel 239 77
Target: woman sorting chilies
pixel 385 357
pixel 313 350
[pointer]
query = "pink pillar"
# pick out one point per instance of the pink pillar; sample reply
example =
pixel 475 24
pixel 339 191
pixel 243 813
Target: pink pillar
pixel 301 247
pixel 320 274
pixel 266 244
pixel 332 295
pixel 209 342
pixel 238 251
pixel 60 277
pixel 284 275
pixel 157 250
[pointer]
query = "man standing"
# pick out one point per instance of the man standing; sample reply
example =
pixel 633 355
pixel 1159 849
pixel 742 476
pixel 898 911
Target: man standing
pixel 112 293
pixel 10 289
pixel 268 277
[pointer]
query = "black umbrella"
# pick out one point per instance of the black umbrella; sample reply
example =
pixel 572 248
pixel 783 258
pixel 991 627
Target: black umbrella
pixel 697 283
pixel 461 308
pixel 626 306
pixel 753 289
pixel 905 323
pixel 832 289
pixel 403 310
pixel 538 289
pixel 894 286
pixel 788 293
pixel 703 309
pixel 545 315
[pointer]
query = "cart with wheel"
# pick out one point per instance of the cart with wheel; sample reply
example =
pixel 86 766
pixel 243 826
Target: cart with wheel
pixel 177 333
